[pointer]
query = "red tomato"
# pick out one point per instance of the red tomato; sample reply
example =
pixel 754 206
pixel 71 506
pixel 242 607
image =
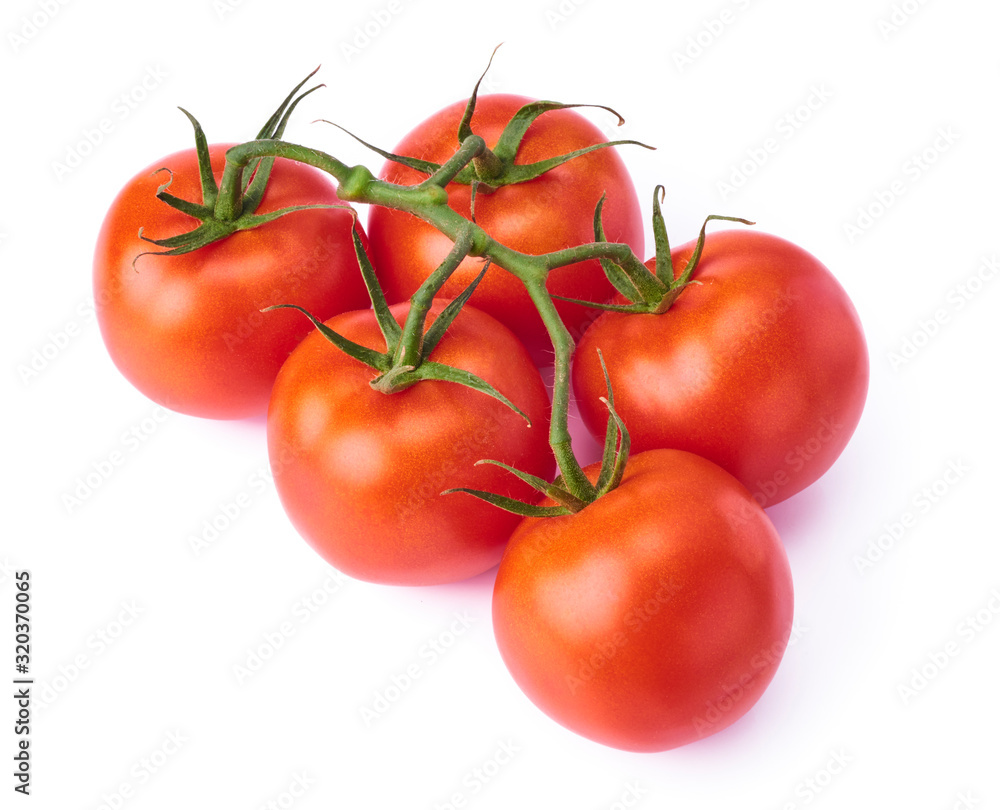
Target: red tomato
pixel 187 330
pixel 655 616
pixel 551 212
pixel 761 368
pixel 360 473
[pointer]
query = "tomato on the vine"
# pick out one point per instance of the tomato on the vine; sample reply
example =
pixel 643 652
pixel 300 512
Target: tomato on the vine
pixel 187 330
pixel 761 366
pixel 361 473
pixel 653 617
pixel 549 213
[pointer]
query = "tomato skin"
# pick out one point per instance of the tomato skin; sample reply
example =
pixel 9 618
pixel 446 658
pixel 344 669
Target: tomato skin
pixel 761 368
pixel 552 212
pixel 360 472
pixel 655 616
pixel 187 330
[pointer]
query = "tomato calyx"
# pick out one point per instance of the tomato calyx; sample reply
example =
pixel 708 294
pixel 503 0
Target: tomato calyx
pixel 650 291
pixel 223 211
pixel 405 361
pixel 570 497
pixel 490 169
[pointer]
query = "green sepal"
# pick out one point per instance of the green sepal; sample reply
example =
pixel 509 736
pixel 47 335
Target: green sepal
pixel 514 173
pixel 396 372
pixel 510 139
pixel 652 293
pixel 207 232
pixel 485 165
pixel 611 434
pixel 260 169
pixel 212 230
pixel 618 278
pixel 422 166
pixel 551 490
pixel 387 324
pixel 216 224
pixel 429 370
pixel 209 188
pixel 249 221
pixel 370 357
pixel 700 244
pixel 664 262
pixel 184 206
pixel 617 445
pixel 612 475
pixel 489 169
pixel 275 125
pixel 635 308
pixel 447 316
pixel 398 378
pixel 512 504
pixel 465 125
pixel 684 279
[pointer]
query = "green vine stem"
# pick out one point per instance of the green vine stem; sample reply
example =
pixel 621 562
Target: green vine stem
pixel 429 202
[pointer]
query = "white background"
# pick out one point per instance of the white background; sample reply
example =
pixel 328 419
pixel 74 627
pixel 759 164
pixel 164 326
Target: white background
pixel 137 637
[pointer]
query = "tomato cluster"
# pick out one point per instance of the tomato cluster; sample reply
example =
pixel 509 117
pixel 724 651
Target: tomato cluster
pixel 643 602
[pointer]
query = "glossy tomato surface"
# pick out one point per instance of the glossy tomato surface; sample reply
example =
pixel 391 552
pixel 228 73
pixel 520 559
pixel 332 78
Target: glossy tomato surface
pixel 655 616
pixel 187 330
pixel 360 473
pixel 761 367
pixel 552 212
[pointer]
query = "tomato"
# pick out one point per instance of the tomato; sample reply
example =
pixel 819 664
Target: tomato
pixel 187 330
pixel 551 212
pixel 762 367
pixel 360 473
pixel 656 615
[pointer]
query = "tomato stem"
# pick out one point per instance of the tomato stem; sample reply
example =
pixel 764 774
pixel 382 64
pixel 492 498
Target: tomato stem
pixel 405 360
pixel 429 202
pixel 410 349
